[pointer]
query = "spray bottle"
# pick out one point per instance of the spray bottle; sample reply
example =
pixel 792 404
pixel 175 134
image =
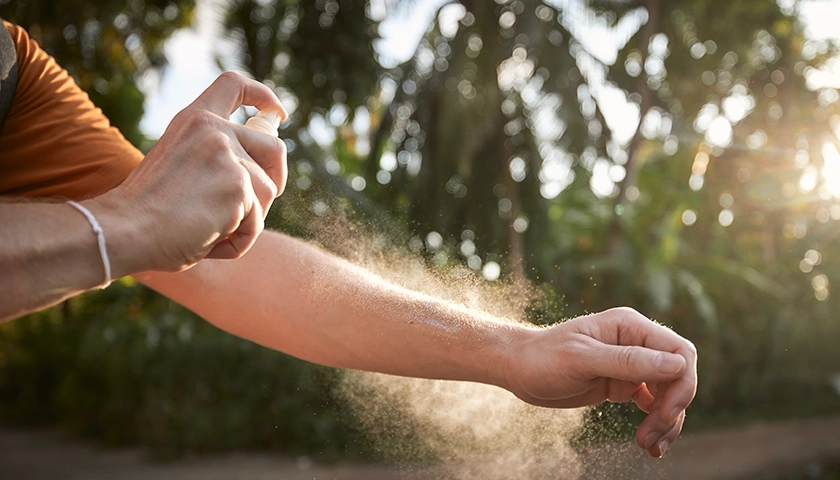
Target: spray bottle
pixel 266 121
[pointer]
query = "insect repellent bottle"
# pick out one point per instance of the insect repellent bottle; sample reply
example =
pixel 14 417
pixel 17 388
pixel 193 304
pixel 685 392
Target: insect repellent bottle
pixel 266 121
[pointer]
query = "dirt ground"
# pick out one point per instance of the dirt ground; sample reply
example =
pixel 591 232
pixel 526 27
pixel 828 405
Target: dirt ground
pixel 765 451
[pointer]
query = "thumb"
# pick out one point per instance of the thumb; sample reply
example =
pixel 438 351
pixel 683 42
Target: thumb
pixel 636 364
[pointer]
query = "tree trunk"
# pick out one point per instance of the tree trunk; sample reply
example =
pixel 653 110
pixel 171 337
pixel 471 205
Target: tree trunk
pixel 632 166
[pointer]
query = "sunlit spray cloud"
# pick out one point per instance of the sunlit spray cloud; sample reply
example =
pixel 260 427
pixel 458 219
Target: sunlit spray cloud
pixel 473 430
pixel 447 429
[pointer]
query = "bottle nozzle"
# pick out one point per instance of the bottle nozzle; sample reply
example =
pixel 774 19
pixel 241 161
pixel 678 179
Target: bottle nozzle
pixel 266 121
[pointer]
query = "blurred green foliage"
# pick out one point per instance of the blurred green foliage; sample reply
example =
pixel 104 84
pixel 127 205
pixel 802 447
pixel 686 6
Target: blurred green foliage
pixel 713 215
pixel 107 46
pixel 500 121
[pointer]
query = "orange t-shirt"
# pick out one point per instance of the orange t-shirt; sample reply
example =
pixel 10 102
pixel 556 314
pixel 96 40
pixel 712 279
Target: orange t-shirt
pixel 55 142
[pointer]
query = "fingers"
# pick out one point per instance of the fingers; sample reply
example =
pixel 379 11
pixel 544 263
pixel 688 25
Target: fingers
pixel 635 363
pixel 267 151
pixel 624 391
pixel 263 156
pixel 609 390
pixel 679 393
pixel 660 447
pixel 264 188
pixel 656 436
pixel 635 329
pixel 240 241
pixel 261 191
pixel 643 398
pixel 198 160
pixel 231 90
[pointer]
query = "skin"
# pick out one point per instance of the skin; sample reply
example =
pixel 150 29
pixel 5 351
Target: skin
pixel 202 191
pixel 199 199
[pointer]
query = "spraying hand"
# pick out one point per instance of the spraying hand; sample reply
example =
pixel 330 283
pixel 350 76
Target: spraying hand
pixel 617 355
pixel 205 188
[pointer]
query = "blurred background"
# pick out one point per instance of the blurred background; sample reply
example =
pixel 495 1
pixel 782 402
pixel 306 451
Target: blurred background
pixel 680 157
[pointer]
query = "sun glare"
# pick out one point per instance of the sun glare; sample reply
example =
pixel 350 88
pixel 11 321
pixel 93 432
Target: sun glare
pixel 831 168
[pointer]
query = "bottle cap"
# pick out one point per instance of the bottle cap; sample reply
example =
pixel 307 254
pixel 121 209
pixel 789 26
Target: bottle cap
pixel 266 121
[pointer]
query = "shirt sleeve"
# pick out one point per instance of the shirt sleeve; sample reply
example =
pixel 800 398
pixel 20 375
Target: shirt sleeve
pixel 55 142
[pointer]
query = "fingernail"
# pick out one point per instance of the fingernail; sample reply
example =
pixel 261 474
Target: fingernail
pixel 663 446
pixel 651 439
pixel 275 117
pixel 668 364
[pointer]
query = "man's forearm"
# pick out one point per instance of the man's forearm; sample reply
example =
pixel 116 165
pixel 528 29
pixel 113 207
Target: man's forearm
pixel 48 252
pixel 293 297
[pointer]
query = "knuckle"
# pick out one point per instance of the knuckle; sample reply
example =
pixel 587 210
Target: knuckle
pixel 274 155
pixel 230 77
pixel 182 116
pixel 272 189
pixel 640 438
pixel 230 222
pixel 231 82
pixel 197 119
pixel 203 119
pixel 240 185
pixel 627 313
pixel 691 347
pixel 577 348
pixel 219 143
pixel 624 357
pixel 280 146
pixel 234 187
pixel 629 318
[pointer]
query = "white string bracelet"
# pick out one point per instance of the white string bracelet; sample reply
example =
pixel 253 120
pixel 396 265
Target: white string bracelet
pixel 100 238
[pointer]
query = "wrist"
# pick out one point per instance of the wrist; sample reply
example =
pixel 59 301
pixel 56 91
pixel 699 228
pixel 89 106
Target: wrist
pixel 514 347
pixel 123 228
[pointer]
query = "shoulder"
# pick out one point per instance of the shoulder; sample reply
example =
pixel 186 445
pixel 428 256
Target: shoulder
pixel 55 141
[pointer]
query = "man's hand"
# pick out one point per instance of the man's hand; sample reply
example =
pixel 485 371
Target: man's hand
pixel 617 355
pixel 335 313
pixel 204 189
